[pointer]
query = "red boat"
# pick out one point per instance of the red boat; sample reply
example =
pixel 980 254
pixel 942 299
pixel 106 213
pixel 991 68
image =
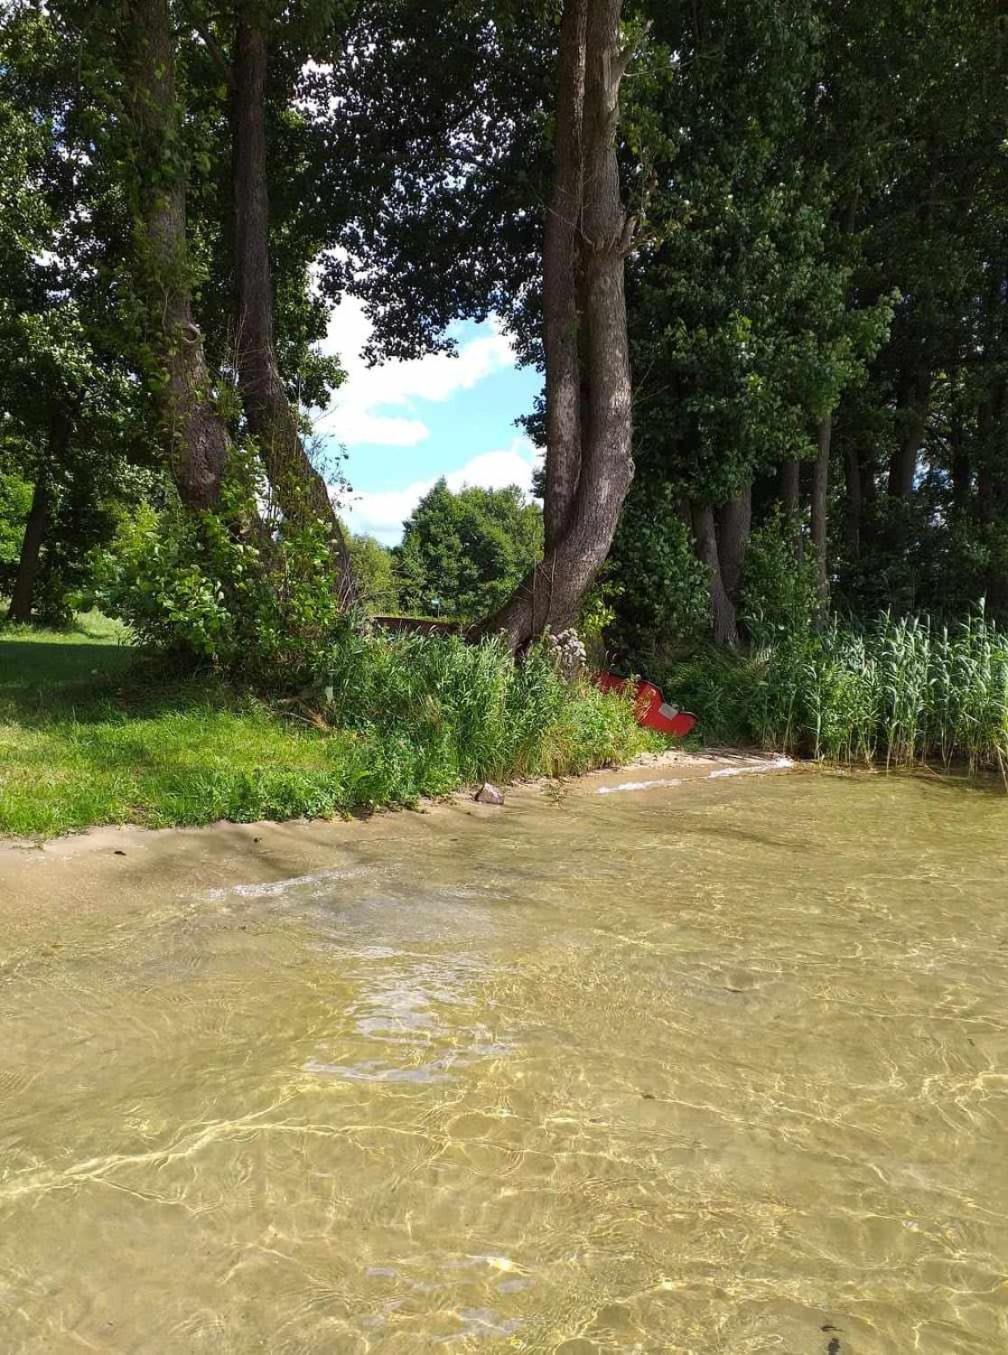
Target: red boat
pixel 651 708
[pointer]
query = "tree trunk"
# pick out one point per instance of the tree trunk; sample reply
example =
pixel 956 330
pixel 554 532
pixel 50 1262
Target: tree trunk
pixel 790 485
pixel 734 523
pixel 195 437
pixel 31 548
pixel 300 490
pixel 550 595
pixel 37 525
pixel 820 505
pixel 566 393
pixel 724 620
pixel 914 402
pixel 852 512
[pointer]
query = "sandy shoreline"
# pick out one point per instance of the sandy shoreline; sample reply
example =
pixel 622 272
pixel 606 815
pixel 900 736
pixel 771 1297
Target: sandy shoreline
pixel 133 867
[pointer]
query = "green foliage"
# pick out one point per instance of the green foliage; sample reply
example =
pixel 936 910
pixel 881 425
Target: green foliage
pixel 899 690
pixel 468 712
pixel 658 586
pixel 463 554
pixel 374 574
pixel 808 243
pixel 88 740
pixel 596 617
pixel 197 588
pixel 742 322
pixel 15 501
pixel 779 582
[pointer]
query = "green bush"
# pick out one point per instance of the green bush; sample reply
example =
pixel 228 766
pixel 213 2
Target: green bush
pixel 779 582
pixel 189 586
pixel 15 502
pixel 447 712
pixel 658 588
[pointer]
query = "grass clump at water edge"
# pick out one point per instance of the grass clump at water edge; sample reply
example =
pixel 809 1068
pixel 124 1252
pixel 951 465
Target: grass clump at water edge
pixel 87 737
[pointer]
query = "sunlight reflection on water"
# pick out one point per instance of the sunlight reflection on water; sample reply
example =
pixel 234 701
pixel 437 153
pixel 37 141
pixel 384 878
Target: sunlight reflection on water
pixel 718 1068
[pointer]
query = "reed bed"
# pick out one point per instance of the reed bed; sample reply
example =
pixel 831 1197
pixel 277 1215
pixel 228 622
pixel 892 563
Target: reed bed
pixel 901 691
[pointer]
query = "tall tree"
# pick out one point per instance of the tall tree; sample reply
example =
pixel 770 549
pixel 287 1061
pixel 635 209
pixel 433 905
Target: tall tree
pixel 743 323
pixel 468 550
pixel 68 396
pixel 299 488
pixel 589 465
pixel 195 434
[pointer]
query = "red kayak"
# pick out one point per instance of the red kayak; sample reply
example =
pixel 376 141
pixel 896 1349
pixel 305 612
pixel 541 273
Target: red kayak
pixel 652 710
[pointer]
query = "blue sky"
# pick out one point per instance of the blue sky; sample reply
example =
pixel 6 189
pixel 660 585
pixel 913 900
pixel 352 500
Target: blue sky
pixel 406 423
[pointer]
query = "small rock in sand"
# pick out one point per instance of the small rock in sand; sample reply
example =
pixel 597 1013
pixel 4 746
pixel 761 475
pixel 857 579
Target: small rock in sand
pixel 489 794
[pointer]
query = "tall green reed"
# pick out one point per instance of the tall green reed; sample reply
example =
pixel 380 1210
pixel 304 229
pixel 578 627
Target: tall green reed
pixel 900 691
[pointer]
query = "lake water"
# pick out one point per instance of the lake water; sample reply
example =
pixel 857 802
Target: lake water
pixel 718 1067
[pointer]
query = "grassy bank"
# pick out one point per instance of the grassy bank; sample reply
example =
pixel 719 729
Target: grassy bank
pixel 87 737
pixel 898 692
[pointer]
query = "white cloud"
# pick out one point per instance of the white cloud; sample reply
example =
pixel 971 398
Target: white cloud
pixel 383 512
pixel 378 404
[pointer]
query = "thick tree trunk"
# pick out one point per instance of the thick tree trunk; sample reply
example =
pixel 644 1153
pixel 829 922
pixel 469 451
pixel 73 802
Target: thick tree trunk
pixel 31 549
pixel 790 485
pixel 550 595
pixel 734 524
pixel 820 505
pixel 852 505
pixel 300 490
pixel 914 402
pixel 566 393
pixel 195 437
pixel 724 621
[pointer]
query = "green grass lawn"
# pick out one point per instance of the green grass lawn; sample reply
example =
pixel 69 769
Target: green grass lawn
pixel 85 740
pixel 88 736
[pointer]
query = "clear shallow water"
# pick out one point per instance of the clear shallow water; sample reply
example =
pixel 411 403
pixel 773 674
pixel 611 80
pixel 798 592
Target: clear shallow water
pixel 714 1068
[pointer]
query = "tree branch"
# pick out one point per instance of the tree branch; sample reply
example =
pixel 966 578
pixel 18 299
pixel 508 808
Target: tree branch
pixel 216 52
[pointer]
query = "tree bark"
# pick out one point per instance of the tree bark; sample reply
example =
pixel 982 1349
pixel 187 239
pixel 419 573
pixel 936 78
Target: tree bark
pixel 550 595
pixel 721 539
pixel 734 524
pixel 195 436
pixel 566 395
pixel 724 619
pixel 300 490
pixel 790 485
pixel 36 526
pixel 820 505
pixel 914 402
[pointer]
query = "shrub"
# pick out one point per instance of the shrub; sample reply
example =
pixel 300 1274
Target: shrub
pixel 190 587
pixel 779 582
pixel 467 713
pixel 658 588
